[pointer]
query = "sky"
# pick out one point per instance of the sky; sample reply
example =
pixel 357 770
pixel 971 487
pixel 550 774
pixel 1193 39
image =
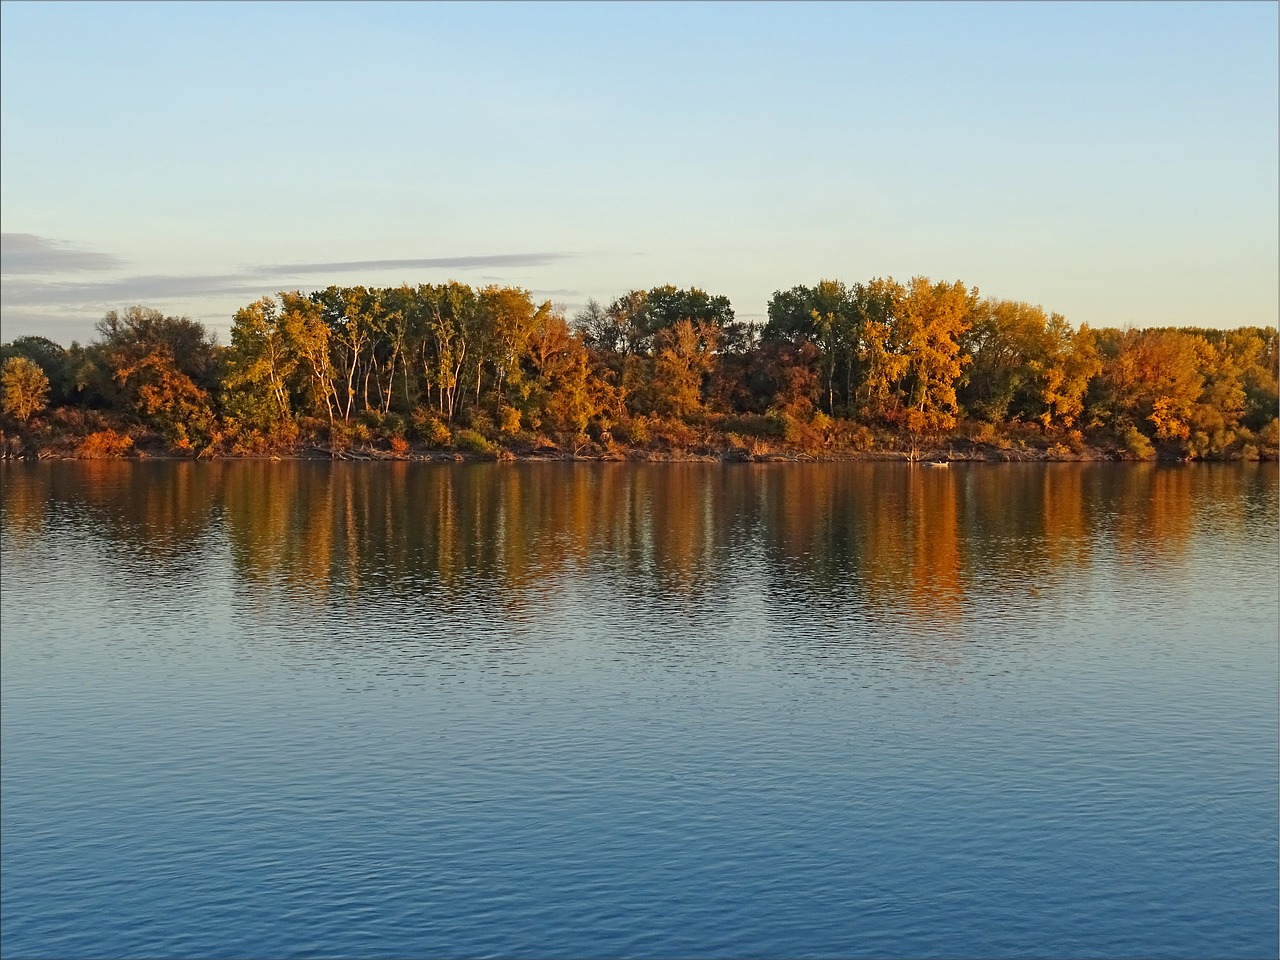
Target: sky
pixel 1116 163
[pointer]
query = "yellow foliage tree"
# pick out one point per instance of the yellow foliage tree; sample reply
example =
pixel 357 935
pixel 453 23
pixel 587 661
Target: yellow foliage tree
pixel 25 388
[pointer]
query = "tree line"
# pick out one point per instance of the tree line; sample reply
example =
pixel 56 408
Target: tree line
pixel 837 367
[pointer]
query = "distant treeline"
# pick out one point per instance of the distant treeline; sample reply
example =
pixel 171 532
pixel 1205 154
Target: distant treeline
pixel 837 370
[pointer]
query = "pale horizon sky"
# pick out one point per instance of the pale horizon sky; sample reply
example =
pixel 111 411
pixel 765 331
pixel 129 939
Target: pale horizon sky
pixel 1116 163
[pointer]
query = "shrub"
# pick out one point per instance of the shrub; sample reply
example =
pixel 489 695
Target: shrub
pixel 474 442
pixel 1269 439
pixel 430 429
pixel 479 421
pixel 859 437
pixel 636 431
pixel 751 424
pixel 1135 444
pixel 393 425
pixel 340 435
pixel 104 445
pixel 985 433
pixel 782 424
pixel 674 433
pixel 508 419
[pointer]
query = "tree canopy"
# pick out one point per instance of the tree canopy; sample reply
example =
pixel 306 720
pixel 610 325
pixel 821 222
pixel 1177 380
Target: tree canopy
pixel 486 368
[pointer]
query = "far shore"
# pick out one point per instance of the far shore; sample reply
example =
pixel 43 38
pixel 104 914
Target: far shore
pixel 956 450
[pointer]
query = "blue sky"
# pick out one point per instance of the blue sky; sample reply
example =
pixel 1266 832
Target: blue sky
pixel 1116 163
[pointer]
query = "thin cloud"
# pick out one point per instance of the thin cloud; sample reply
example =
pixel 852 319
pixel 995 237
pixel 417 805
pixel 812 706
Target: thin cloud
pixel 26 253
pixel 434 263
pixel 127 289
pixel 251 283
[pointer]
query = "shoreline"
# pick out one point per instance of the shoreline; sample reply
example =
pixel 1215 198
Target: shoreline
pixel 940 456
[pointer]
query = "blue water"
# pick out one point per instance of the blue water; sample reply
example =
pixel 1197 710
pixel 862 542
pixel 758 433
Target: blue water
pixel 357 710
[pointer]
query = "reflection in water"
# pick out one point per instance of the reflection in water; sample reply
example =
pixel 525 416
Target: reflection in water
pixel 253 708
pixel 909 541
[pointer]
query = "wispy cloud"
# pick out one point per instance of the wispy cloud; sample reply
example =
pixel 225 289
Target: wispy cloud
pixel 251 282
pixel 432 263
pixel 127 290
pixel 26 253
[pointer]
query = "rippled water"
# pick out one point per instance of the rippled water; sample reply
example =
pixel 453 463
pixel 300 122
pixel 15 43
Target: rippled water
pixel 286 709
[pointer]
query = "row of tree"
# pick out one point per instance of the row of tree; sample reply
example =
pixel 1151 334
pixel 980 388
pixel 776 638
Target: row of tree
pixel 453 364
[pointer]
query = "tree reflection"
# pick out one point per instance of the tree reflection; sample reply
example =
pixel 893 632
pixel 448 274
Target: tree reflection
pixel 508 543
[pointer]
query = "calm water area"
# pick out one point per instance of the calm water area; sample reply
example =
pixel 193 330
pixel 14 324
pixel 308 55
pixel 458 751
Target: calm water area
pixel 256 709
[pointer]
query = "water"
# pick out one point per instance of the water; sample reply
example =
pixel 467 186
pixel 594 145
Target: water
pixel 288 709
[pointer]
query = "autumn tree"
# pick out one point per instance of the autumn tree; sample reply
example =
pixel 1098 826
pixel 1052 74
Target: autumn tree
pixel 446 328
pixel 1009 344
pixel 1070 366
pixel 261 364
pixel 24 388
pixel 349 314
pixel 163 370
pixel 1025 365
pixel 881 356
pixel 929 324
pixel 50 357
pixel 1151 381
pixel 558 396
pixel 686 356
pixel 637 333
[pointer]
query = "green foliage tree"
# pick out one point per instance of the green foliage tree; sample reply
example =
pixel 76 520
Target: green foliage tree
pixel 827 315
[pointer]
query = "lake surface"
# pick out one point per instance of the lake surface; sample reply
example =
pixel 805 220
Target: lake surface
pixel 297 709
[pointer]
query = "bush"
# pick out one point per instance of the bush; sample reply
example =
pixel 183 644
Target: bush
pixel 859 437
pixel 782 424
pixel 636 431
pixel 430 429
pixel 1135 444
pixel 1269 439
pixel 674 433
pixel 473 442
pixel 104 445
pixel 340 435
pixel 752 425
pixel 509 419
pixel 479 421
pixel 393 426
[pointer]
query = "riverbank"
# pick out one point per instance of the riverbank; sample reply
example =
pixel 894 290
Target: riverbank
pixel 100 438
